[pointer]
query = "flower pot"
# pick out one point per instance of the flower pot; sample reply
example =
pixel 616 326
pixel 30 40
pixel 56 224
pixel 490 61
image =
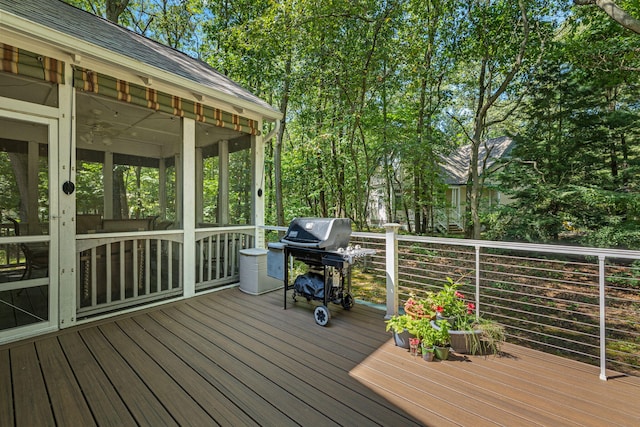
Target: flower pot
pixel 442 353
pixel 428 354
pixel 466 342
pixel 402 338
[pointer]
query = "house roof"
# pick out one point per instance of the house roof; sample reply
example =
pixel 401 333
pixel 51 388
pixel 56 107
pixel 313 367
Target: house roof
pixel 94 30
pixel 456 166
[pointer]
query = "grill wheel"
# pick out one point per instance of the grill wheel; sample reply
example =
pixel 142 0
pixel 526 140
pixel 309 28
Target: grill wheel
pixel 321 314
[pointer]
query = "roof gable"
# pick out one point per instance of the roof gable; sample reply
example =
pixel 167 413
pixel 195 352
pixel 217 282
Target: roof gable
pixel 66 19
pixel 455 167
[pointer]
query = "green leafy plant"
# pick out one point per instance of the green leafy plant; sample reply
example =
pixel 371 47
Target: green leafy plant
pixel 441 334
pixel 423 330
pixel 399 323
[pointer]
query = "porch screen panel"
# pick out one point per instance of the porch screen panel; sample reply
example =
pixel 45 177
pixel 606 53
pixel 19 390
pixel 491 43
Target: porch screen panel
pixel 25 63
pixel 91 81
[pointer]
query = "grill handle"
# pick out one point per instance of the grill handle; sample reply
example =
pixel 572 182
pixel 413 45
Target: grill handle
pixel 300 244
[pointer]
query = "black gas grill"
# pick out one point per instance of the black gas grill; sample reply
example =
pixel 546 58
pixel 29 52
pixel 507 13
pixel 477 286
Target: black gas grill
pixel 322 244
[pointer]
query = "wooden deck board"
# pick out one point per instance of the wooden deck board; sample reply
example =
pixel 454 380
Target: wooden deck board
pixel 139 399
pixel 6 400
pixel 98 391
pixel 236 356
pixel 29 390
pixel 217 406
pixel 229 358
pixel 64 390
pixel 182 407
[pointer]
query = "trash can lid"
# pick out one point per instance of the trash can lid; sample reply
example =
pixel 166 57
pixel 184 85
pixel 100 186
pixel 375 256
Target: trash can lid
pixel 253 251
pixel 276 245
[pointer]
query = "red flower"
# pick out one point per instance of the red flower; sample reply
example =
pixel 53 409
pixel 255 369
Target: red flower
pixel 439 309
pixel 459 295
pixel 470 307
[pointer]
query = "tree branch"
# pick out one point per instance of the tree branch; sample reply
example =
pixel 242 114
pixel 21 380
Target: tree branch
pixel 615 12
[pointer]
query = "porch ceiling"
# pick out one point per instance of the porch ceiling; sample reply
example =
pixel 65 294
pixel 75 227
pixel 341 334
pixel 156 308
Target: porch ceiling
pixel 110 125
pixel 105 124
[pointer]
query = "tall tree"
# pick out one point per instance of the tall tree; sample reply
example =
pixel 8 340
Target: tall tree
pixel 497 37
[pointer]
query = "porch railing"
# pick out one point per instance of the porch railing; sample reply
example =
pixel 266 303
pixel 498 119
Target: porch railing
pixel 218 254
pixel 119 270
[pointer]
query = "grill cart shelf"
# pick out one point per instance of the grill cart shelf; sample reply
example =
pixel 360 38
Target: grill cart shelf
pixel 321 243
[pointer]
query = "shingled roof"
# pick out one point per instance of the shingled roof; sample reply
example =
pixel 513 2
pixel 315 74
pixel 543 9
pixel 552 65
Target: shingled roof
pixel 66 19
pixel 456 166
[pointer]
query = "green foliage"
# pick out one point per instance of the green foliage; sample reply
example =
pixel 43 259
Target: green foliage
pixel 441 335
pixel 576 164
pixel 9 195
pixel 399 323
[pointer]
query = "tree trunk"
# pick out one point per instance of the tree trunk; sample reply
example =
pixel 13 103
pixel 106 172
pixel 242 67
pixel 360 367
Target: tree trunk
pixel 115 8
pixel 277 156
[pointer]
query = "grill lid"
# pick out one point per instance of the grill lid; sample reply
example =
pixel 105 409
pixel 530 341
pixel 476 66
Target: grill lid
pixel 322 233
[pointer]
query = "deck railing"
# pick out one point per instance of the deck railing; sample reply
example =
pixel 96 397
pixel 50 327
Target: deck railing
pixel 118 270
pixel 577 302
pixel 218 254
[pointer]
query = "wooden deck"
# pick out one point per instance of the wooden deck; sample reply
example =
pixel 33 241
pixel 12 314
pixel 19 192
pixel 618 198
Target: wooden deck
pixel 233 359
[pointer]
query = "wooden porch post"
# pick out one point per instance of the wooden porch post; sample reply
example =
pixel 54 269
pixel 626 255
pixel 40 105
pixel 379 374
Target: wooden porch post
pixel 33 163
pixel 189 202
pixel 257 190
pixel 199 184
pixel 223 184
pixel 162 189
pixel 66 273
pixel 107 176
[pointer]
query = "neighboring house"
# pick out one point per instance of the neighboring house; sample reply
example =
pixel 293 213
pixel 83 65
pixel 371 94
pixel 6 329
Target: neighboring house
pixel 79 94
pixel 455 170
pixel 455 174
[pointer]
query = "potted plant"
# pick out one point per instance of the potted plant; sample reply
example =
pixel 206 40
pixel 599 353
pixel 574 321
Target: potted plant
pixel 427 335
pixel 441 339
pixel 420 308
pixel 400 325
pixel 449 303
pixel 468 333
pixel 428 351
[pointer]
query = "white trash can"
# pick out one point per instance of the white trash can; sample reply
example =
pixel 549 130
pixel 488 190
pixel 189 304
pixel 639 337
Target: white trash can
pixel 253 272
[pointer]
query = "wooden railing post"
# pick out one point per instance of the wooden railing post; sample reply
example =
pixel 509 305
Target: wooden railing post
pixel 392 268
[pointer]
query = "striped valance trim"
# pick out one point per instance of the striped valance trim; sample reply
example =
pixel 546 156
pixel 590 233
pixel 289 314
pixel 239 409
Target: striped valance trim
pixel 25 63
pixel 91 81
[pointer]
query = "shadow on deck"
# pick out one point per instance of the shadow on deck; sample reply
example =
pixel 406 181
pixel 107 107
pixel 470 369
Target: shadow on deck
pixel 233 359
